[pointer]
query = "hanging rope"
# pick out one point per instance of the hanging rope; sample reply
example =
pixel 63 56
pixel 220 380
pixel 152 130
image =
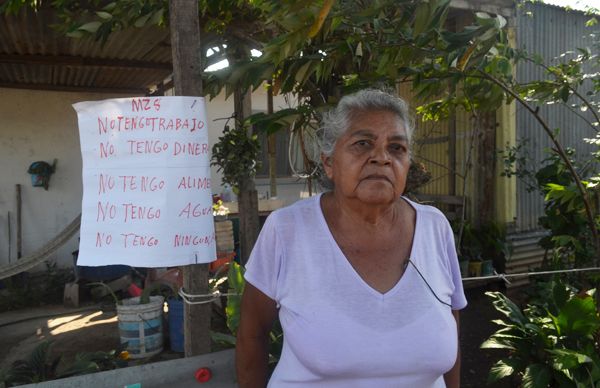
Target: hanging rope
pixel 39 256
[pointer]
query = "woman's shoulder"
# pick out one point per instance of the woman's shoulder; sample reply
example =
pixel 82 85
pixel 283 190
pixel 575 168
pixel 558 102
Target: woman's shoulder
pixel 299 208
pixel 428 212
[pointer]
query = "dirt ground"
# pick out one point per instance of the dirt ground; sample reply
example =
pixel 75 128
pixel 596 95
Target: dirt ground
pixel 91 329
pixel 71 331
pixel 476 327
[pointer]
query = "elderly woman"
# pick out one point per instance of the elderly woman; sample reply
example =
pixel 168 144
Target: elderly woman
pixel 365 282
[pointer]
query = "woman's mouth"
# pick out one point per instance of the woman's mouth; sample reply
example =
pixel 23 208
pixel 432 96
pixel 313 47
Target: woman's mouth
pixel 377 177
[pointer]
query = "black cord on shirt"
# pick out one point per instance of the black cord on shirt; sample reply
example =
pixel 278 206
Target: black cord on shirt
pixel 427 283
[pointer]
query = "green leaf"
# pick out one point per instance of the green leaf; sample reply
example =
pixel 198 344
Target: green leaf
pixel 507 307
pixel 104 15
pixel 564 93
pixel 421 17
pixel 560 295
pixel 110 6
pixel 568 359
pixel 578 317
pixel 536 376
pixel 74 34
pixel 504 67
pixel 493 343
pixel 157 17
pixel 141 21
pixel 226 339
pixel 236 281
pixel 500 370
pixel 38 358
pixel 91 27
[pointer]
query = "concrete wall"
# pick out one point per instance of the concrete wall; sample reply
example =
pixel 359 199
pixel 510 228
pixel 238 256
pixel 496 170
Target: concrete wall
pixel 42 125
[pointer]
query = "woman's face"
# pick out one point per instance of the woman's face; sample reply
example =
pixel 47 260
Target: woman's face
pixel 370 161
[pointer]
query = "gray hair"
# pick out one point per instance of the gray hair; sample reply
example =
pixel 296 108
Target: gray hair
pixel 338 120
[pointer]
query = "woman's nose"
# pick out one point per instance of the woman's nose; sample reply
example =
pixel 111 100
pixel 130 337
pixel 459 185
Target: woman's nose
pixel 380 155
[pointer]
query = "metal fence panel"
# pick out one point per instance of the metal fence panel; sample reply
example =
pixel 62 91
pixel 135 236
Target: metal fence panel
pixel 548 31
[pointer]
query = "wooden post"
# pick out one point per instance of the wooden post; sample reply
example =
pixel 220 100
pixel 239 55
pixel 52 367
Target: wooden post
pixel 452 153
pixel 486 168
pixel 185 43
pixel 19 225
pixel 272 147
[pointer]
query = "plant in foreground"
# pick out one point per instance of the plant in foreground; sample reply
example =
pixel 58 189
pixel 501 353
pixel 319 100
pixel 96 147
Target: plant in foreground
pixel 550 344
pixel 38 367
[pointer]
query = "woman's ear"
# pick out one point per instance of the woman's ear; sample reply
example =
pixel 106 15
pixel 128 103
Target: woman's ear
pixel 327 165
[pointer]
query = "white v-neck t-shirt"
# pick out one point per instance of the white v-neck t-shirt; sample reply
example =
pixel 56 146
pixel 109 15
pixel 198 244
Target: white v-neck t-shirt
pixel 338 330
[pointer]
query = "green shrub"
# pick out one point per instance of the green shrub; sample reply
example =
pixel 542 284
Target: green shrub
pixel 553 343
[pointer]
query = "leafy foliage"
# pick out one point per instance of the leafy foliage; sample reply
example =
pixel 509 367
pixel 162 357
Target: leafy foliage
pixel 236 287
pixel 570 240
pixel 363 43
pixel 236 155
pixel 550 343
pixel 38 367
pixel 485 242
pixel 517 162
pixel 565 215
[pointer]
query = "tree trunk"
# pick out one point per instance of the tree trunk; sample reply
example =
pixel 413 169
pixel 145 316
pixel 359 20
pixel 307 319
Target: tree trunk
pixel 185 43
pixel 247 197
pixel 485 178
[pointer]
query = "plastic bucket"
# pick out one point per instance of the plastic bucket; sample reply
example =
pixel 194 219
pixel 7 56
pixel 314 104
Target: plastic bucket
pixel 176 324
pixel 141 326
pixel 475 268
pixel 487 268
pixel 464 268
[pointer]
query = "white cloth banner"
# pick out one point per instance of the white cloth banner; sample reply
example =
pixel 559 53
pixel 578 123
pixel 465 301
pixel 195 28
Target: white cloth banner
pixel 147 199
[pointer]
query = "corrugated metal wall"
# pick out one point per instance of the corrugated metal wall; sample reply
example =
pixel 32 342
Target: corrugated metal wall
pixel 548 31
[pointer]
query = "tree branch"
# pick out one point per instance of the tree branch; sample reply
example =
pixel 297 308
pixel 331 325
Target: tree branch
pixel 561 152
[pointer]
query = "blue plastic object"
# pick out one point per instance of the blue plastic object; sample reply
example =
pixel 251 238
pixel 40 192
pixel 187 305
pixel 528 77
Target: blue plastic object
pixel 176 324
pixel 99 274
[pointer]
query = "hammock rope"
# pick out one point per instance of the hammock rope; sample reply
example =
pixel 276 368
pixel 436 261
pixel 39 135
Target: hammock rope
pixel 39 256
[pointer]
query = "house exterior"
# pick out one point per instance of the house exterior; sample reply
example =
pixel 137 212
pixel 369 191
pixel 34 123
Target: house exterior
pixel 42 74
pixel 548 31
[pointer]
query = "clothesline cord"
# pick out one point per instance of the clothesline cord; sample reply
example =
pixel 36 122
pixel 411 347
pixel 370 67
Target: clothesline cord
pixel 209 298
pixel 188 298
pixel 506 276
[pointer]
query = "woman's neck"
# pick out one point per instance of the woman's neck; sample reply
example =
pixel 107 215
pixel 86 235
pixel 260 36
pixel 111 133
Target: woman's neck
pixel 367 215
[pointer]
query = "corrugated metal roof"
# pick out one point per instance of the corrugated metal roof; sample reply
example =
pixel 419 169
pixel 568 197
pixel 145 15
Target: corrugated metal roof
pixel 33 55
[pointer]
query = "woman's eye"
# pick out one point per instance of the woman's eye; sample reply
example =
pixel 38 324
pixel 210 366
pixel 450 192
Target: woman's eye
pixel 398 148
pixel 362 143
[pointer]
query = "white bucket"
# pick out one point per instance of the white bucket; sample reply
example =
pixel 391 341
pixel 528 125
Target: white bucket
pixel 141 326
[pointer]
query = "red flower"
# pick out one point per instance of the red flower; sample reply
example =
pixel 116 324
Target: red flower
pixel 203 375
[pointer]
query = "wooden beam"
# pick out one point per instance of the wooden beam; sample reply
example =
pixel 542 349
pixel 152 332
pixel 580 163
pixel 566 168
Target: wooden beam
pixel 70 88
pixel 79 61
pixel 485 169
pixel 452 153
pixel 186 49
pixel 19 224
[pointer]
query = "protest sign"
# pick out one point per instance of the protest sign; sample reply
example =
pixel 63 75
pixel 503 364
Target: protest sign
pixel 147 198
